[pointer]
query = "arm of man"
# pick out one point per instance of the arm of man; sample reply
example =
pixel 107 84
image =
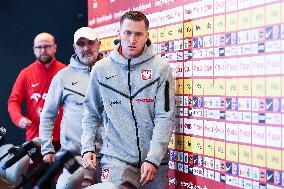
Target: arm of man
pixel 92 119
pixel 164 121
pixel 16 99
pixel 24 122
pixel 148 173
pixel 49 158
pixel 48 116
pixel 89 160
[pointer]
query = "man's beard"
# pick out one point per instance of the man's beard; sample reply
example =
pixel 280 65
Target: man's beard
pixel 87 60
pixel 45 60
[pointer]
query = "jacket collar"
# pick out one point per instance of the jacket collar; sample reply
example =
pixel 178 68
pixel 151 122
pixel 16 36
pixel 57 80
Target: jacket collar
pixel 75 64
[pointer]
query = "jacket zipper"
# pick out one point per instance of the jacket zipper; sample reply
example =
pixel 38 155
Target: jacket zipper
pixel 133 115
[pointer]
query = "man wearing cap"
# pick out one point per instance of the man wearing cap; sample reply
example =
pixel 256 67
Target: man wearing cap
pixel 68 89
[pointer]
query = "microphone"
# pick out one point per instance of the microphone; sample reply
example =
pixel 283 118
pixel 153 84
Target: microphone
pixel 28 148
pixel 2 135
pixel 116 41
pixel 11 150
pixel 148 42
pixel 66 158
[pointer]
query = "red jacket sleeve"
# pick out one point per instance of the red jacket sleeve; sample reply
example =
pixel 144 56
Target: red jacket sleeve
pixel 16 98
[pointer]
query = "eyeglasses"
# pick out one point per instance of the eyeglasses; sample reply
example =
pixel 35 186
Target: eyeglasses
pixel 45 47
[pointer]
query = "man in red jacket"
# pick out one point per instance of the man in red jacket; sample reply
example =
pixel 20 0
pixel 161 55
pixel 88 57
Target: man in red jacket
pixel 32 86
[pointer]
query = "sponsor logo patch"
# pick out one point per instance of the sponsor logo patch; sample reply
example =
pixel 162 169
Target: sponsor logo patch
pixel 105 174
pixel 147 100
pixel 146 74
pixel 34 85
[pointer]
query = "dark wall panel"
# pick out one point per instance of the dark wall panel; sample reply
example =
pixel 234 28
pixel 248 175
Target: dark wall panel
pixel 20 21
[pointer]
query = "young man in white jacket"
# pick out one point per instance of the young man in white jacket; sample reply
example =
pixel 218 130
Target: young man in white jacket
pixel 134 89
pixel 68 89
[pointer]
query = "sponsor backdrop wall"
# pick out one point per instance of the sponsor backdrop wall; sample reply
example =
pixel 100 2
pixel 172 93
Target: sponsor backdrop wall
pixel 227 60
